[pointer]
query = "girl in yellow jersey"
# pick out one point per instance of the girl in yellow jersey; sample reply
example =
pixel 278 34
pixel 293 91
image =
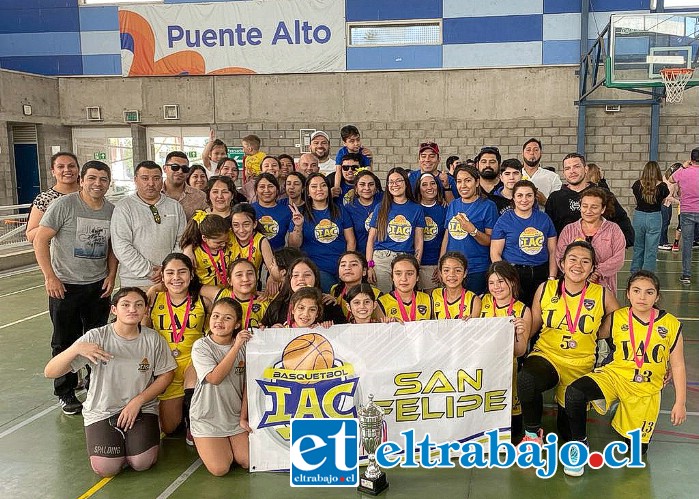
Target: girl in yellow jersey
pixel 644 338
pixel 179 315
pixel 569 312
pixel 454 301
pixel 404 303
pixel 352 270
pixel 207 242
pixel 242 290
pixel 501 301
pixel 250 244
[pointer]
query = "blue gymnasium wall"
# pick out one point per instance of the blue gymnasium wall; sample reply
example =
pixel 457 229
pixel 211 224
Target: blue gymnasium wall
pixel 59 37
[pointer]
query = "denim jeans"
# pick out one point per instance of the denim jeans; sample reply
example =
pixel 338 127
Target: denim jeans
pixel 688 222
pixel 645 244
pixel 666 212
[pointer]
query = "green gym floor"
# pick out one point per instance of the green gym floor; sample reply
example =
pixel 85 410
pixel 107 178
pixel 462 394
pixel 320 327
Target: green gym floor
pixel 42 452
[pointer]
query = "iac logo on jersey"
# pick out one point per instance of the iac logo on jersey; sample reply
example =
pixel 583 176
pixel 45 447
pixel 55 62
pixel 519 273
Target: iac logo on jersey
pixel 326 231
pixel 324 453
pixel 270 227
pixel 531 241
pixel 399 229
pixel 431 229
pixel 455 229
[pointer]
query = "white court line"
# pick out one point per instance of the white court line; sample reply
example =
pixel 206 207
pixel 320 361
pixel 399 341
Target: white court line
pixel 180 480
pixel 28 420
pixel 688 318
pixel 13 273
pixel 689 413
pixel 680 290
pixel 25 319
pixel 21 291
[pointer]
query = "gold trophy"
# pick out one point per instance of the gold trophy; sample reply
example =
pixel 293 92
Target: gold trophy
pixel 373 481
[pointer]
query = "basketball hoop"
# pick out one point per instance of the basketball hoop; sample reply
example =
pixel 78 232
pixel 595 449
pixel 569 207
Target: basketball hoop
pixel 675 80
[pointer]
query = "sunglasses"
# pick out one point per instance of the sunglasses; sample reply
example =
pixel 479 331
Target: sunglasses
pixel 156 213
pixel 350 167
pixel 428 144
pixel 175 167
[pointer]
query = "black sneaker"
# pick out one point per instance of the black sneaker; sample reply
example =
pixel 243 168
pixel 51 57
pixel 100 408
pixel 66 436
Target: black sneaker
pixel 70 404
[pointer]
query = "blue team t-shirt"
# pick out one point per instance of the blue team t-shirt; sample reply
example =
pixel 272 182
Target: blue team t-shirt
pixel 361 216
pixel 525 238
pixel 324 239
pixel 365 161
pixel 483 214
pixel 414 179
pixel 273 221
pixel 433 233
pixel 402 219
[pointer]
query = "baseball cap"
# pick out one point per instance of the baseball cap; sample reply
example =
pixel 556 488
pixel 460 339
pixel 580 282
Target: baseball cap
pixel 429 145
pixel 320 133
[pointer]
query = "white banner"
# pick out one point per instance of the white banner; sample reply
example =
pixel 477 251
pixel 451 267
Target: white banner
pixel 449 378
pixel 257 36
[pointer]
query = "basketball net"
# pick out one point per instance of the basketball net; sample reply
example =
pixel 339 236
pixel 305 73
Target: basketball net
pixel 675 80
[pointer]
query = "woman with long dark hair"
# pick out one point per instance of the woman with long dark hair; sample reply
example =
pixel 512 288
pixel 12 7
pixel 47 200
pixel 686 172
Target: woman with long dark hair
pixel 650 191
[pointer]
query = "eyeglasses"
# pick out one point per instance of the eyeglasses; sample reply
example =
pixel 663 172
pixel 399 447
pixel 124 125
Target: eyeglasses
pixel 175 167
pixel 396 182
pixel 347 168
pixel 156 213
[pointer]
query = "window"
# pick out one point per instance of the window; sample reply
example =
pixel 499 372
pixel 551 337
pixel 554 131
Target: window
pixel 113 146
pixel 427 32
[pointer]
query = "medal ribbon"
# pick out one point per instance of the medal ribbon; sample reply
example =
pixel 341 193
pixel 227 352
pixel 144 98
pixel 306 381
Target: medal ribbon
pixel 510 308
pixel 462 303
pixel 250 248
pixel 178 335
pixel 249 309
pixel 572 326
pixel 401 306
pixel 221 272
pixel 639 360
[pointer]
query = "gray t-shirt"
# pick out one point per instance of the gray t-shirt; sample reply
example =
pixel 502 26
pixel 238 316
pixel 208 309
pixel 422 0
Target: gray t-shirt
pixel 215 409
pixel 135 364
pixel 80 248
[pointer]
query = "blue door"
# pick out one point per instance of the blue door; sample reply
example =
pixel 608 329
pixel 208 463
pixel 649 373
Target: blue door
pixel 27 172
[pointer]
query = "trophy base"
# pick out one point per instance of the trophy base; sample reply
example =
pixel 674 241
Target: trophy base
pixel 373 487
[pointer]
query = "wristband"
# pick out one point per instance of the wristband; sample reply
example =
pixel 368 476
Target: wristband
pixel 371 264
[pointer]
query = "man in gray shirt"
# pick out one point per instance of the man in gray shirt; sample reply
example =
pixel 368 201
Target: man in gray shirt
pixel 146 227
pixel 73 250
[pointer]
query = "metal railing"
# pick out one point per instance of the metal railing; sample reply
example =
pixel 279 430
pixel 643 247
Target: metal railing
pixel 13 224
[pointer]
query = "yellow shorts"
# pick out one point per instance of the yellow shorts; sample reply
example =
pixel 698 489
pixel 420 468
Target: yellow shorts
pixel 567 373
pixel 634 411
pixel 176 388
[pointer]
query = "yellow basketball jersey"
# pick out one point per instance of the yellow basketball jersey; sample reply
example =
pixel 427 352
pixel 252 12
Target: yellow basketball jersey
pixel 195 324
pixel 423 308
pixel 259 307
pixel 238 251
pixel 555 339
pixel 336 291
pixel 647 379
pixel 205 267
pixel 440 309
pixel 488 308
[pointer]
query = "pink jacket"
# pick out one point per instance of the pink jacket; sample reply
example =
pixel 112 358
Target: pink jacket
pixel 610 248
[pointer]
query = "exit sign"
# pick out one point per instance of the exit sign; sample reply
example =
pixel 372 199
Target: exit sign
pixel 237 154
pixel 101 156
pixel 192 154
pixel 132 116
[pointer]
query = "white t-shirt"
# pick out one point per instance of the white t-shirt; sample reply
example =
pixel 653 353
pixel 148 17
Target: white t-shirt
pixel 132 369
pixel 545 180
pixel 215 409
pixel 328 166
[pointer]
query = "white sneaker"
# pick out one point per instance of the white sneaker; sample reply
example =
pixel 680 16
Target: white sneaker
pixel 574 458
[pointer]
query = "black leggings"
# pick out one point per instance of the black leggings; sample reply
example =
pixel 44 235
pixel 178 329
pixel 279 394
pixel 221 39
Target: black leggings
pixel 537 376
pixel 578 395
